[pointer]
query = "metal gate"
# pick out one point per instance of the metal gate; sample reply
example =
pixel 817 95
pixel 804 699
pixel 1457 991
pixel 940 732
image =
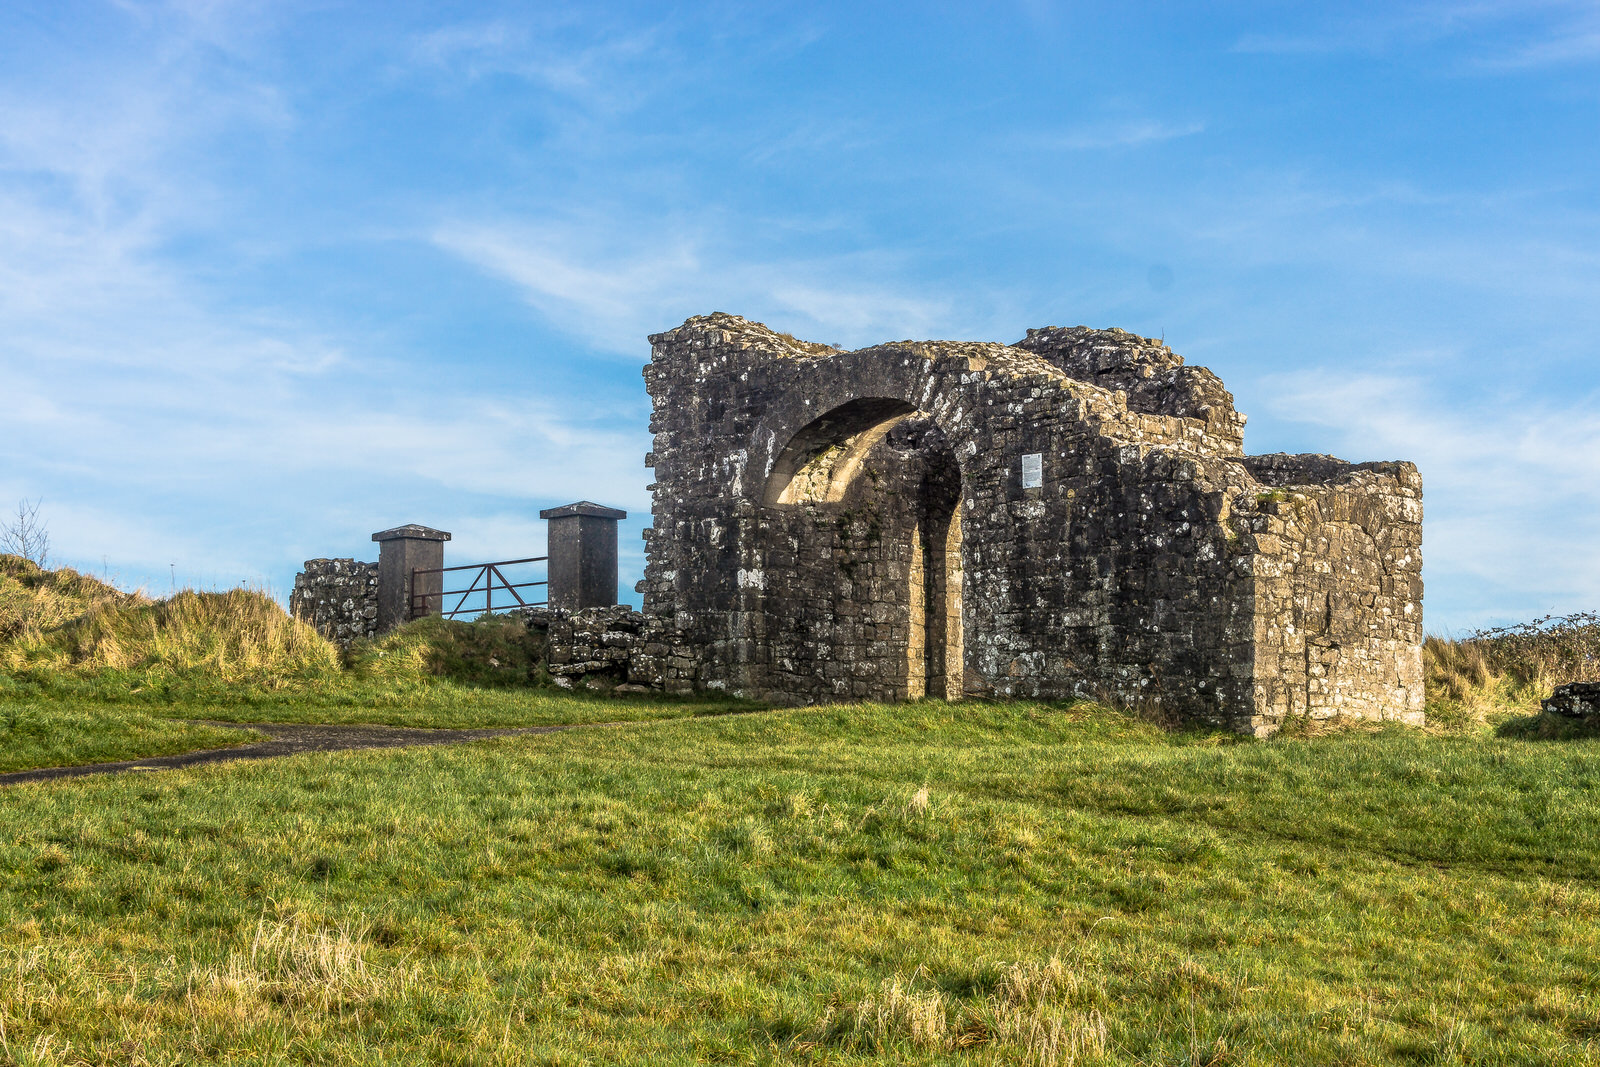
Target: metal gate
pixel 479 596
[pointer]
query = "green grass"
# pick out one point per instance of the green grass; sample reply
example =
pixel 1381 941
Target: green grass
pixel 51 721
pixel 55 733
pixel 99 720
pixel 922 884
pixel 925 883
pixel 437 703
pixel 89 674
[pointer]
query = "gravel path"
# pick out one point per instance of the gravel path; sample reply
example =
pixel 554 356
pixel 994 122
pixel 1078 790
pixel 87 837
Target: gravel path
pixel 286 739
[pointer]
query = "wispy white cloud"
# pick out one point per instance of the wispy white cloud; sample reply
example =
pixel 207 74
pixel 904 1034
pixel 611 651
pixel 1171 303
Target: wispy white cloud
pixel 273 450
pixel 1572 43
pixel 450 44
pixel 1501 35
pixel 554 51
pixel 604 298
pixel 611 291
pixel 164 427
pixel 1128 133
pixel 180 405
pixel 1525 245
pixel 810 140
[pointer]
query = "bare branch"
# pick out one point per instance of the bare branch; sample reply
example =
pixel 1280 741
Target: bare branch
pixel 27 535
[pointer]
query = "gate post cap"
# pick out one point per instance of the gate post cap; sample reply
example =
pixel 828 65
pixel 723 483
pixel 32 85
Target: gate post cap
pixel 411 532
pixel 582 507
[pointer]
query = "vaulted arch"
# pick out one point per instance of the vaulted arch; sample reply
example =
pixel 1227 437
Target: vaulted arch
pixel 869 493
pixel 822 458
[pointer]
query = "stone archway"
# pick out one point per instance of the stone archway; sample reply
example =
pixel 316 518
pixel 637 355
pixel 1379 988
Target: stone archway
pixel 865 502
pixel 1118 541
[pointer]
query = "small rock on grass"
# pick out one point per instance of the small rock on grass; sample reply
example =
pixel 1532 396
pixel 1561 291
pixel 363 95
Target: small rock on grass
pixel 1578 700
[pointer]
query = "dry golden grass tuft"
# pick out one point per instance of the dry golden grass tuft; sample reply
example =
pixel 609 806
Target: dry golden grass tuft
pixel 917 806
pixel 1029 1013
pixel 34 601
pixel 1510 668
pixel 313 973
pixel 898 1013
pixel 293 964
pixel 229 636
pixel 1457 670
pixel 1491 676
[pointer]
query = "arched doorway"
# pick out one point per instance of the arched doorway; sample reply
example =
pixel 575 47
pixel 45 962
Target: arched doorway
pixel 869 494
pixel 934 648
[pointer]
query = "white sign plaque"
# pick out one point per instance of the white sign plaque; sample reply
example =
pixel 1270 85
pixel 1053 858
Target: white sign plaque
pixel 1033 470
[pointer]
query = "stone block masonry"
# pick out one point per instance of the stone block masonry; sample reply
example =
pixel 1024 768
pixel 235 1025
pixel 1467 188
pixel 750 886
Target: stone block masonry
pixel 1072 515
pixel 339 597
pixel 612 647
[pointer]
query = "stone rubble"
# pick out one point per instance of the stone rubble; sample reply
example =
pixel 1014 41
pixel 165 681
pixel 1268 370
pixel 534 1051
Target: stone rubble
pixel 610 647
pixel 1576 700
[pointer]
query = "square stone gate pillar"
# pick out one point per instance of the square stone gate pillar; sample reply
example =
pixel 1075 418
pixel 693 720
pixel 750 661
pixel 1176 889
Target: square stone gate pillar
pixel 400 551
pixel 583 555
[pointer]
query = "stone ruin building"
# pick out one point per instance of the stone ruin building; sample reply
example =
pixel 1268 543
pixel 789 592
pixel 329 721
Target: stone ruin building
pixel 1069 516
pixel 1072 515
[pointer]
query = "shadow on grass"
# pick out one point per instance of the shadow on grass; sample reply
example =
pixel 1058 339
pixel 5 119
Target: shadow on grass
pixel 1547 727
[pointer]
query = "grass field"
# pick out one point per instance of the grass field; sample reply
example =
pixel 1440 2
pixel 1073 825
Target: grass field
pixel 923 883
pixel 89 674
pixel 53 733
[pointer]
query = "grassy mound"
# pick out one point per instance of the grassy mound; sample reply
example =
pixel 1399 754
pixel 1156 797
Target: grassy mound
pixel 65 622
pixel 34 601
pixel 497 651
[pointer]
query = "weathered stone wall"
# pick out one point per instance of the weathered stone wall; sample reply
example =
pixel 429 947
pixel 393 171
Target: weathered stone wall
pixel 1338 576
pixel 1575 700
pixel 856 525
pixel 612 647
pixel 337 596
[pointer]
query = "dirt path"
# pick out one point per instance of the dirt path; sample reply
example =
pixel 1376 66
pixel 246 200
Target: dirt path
pixel 286 739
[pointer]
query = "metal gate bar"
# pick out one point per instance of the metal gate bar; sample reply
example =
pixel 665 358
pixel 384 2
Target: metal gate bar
pixel 489 574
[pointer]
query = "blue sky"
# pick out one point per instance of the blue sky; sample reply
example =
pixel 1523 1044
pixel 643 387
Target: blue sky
pixel 275 276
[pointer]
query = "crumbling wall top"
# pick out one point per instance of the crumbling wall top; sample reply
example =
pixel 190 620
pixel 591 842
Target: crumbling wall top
pixel 1285 470
pixel 1089 354
pixel 740 332
pixel 1151 375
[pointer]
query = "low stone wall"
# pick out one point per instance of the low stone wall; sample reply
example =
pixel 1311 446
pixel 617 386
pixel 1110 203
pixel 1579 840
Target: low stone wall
pixel 339 597
pixel 613 648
